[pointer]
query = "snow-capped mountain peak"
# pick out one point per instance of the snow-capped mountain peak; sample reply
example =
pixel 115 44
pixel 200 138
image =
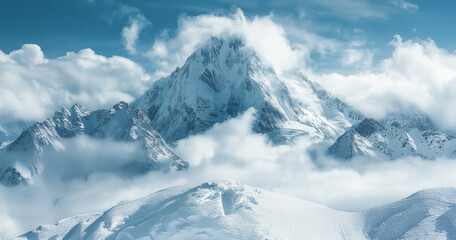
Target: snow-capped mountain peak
pixel 224 78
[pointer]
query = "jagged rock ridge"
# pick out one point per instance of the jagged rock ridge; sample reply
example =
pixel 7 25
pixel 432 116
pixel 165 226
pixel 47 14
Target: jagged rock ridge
pixel 120 123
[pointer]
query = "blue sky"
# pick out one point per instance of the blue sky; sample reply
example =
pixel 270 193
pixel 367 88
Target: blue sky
pixel 62 26
pixel 395 55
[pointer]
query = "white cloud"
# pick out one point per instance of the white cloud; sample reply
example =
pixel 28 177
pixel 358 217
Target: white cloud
pixel 28 54
pixel 419 75
pixel 137 22
pixel 406 5
pixel 357 57
pixel 262 34
pixel 229 150
pixel 32 86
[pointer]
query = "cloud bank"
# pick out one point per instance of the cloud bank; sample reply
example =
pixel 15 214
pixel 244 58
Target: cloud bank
pixel 229 150
pixel 32 86
pixel 418 75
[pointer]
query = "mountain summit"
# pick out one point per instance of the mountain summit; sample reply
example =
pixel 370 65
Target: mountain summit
pixel 223 79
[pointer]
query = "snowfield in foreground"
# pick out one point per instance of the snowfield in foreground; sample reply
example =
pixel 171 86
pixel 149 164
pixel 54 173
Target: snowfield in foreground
pixel 229 210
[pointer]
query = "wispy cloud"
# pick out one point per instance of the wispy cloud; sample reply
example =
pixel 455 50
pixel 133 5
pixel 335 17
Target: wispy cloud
pixel 136 23
pixel 406 5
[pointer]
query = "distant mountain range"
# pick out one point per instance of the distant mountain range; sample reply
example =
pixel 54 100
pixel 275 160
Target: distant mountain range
pixel 229 210
pixel 395 137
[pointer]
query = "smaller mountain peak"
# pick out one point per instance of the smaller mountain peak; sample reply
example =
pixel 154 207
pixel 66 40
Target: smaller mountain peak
pixel 413 119
pixel 368 126
pixel 79 110
pixel 62 111
pixel 12 177
pixel 77 106
pixel 121 105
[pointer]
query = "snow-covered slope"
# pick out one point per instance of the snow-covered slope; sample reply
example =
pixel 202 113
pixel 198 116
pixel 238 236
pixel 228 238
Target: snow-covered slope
pixel 120 123
pixel 229 210
pixel 62 228
pixel 223 79
pixel 9 131
pixel 12 177
pixel 214 210
pixel 405 135
pixel 428 214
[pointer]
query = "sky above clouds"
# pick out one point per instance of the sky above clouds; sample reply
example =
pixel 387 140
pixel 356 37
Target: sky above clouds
pixel 61 26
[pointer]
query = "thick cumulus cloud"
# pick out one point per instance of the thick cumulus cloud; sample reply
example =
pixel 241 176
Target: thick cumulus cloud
pixel 418 75
pixel 264 35
pixel 32 86
pixel 229 150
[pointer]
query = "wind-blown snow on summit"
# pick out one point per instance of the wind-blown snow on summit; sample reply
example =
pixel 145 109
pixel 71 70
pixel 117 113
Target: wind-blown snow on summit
pixel 224 78
pixel 229 210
